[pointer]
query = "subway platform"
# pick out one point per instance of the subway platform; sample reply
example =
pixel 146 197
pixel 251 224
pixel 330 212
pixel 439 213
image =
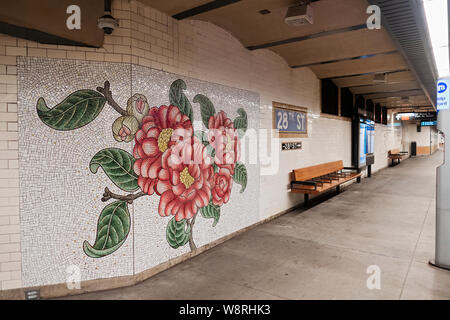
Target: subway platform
pixel 324 252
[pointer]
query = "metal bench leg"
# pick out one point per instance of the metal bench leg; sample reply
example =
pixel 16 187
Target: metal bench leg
pixel 305 203
pixel 358 180
pixel 338 189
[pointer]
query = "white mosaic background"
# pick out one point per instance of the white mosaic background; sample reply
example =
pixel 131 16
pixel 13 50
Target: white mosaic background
pixel 60 197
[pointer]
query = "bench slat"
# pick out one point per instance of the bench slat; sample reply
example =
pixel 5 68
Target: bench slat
pixel 311 172
pixel 326 186
pixel 394 151
pixel 396 154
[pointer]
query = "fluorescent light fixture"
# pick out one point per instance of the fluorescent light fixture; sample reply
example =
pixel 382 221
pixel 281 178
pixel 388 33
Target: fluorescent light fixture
pixel 437 19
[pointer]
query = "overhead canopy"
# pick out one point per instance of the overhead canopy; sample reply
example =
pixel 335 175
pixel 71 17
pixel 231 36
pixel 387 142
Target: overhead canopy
pixel 337 46
pixel 45 21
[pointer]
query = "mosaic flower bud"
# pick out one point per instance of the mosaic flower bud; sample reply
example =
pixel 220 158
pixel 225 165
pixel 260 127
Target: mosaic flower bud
pixel 124 128
pixel 138 107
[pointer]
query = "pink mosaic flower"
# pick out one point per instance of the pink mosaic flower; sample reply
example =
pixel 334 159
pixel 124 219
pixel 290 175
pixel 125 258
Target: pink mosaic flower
pixel 162 128
pixel 224 138
pixel 185 180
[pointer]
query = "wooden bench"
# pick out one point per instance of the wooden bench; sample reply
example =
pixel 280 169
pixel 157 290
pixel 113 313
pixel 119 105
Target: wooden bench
pixel 396 154
pixel 320 178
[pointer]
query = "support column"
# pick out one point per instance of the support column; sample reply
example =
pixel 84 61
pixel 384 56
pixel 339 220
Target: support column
pixel 442 254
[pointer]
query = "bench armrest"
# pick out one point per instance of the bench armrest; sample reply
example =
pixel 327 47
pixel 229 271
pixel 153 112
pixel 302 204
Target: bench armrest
pixel 304 183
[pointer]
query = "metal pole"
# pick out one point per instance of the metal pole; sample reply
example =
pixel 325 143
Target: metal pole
pixel 442 254
pixel 108 6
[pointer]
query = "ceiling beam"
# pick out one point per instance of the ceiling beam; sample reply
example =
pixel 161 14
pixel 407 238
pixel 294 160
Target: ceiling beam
pixel 203 8
pixel 307 37
pixel 344 59
pixel 377 64
pixel 413 99
pixel 403 104
pixel 367 80
pixel 385 87
pixel 406 93
pixel 39 36
pixel 411 108
pixel 348 77
pixel 413 103
pixel 345 45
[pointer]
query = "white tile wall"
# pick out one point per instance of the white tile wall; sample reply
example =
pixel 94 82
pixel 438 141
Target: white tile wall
pixel 422 138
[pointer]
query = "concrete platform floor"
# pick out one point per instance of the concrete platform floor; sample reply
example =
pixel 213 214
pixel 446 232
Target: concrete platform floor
pixel 324 252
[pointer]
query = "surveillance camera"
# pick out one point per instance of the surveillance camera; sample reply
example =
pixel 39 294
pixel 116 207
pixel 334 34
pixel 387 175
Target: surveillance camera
pixel 107 23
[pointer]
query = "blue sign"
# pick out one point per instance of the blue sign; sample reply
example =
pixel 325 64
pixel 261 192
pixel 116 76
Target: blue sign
pixel 362 143
pixel 290 121
pixel 370 136
pixel 428 123
pixel 443 96
pixel 442 86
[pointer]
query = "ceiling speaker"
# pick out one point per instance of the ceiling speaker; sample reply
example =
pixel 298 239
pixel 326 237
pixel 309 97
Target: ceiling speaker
pixel 299 15
pixel 380 78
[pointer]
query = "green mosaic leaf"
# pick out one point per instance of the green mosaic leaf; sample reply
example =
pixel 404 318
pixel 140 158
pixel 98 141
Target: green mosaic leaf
pixel 177 233
pixel 112 230
pixel 211 211
pixel 206 108
pixel 240 175
pixel 76 111
pixel 179 99
pixel 241 123
pixel 118 166
pixel 211 151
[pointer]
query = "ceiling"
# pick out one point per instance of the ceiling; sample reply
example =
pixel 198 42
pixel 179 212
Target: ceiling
pixel 338 46
pixel 41 21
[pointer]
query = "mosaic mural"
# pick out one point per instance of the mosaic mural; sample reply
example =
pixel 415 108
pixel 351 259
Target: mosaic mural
pixel 191 172
pixel 127 164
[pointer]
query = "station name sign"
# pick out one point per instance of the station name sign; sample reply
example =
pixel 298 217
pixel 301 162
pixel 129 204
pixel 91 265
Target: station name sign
pixel 290 121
